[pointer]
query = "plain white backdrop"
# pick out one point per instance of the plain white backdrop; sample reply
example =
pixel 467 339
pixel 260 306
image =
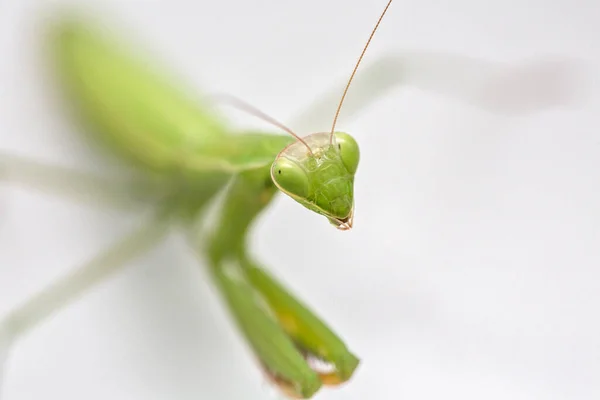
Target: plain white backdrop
pixel 473 268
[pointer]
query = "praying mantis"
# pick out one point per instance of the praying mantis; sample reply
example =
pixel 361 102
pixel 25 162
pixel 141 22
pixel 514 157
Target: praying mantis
pixel 183 157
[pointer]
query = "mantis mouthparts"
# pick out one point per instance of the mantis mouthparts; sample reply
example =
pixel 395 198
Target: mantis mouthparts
pixel 343 224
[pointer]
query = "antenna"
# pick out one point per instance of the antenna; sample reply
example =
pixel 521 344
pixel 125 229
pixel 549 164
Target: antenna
pixel 337 113
pixel 243 106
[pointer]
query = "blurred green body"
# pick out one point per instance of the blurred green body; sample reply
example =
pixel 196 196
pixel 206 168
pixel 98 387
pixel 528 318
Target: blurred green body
pixel 185 157
pixel 183 146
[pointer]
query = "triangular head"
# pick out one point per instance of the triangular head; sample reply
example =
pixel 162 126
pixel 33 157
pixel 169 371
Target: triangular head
pixel 318 172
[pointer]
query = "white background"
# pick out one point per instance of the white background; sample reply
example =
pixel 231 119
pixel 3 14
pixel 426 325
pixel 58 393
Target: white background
pixel 472 271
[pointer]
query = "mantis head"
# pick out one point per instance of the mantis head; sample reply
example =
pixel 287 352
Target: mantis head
pixel 318 172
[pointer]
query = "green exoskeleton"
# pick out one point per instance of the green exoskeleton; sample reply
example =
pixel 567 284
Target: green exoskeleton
pixel 181 157
pixel 191 156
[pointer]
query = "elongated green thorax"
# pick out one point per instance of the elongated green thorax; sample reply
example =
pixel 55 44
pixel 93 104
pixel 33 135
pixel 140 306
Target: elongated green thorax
pixel 319 174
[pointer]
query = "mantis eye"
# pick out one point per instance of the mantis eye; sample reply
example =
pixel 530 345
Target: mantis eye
pixel 290 177
pixel 349 151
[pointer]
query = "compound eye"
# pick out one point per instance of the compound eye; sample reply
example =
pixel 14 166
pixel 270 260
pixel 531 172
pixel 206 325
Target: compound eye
pixel 349 151
pixel 290 177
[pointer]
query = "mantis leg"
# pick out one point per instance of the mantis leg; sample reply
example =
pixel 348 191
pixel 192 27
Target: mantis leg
pixel 283 333
pixel 311 335
pixel 67 289
pixel 498 88
pixel 77 185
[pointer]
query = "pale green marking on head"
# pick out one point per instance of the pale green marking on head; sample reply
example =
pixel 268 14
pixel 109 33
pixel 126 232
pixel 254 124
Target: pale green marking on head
pixel 319 174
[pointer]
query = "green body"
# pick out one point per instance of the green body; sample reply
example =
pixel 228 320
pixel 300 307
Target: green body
pixel 182 158
pixel 181 146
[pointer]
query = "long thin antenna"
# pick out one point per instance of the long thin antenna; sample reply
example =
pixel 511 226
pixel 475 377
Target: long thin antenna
pixel 337 113
pixel 242 105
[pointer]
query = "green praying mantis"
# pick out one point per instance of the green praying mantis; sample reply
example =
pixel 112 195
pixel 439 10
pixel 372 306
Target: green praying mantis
pixel 184 159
